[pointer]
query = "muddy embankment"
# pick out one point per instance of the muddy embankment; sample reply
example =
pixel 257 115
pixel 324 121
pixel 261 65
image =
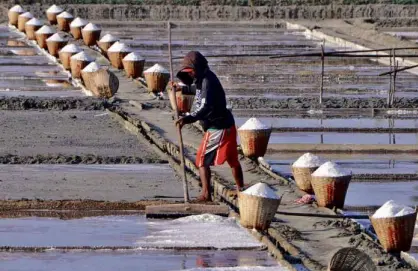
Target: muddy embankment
pixel 225 12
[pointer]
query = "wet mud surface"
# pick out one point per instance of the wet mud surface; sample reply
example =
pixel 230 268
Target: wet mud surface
pixel 68 103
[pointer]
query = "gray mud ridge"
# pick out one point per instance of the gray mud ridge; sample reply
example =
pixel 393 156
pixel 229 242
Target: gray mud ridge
pixel 77 159
pixel 26 103
pixel 313 103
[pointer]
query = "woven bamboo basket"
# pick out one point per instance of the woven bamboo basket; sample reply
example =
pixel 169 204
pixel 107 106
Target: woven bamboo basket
pixel 13 17
pixel 76 32
pixel 65 58
pixel 184 102
pixel 254 142
pixel 104 46
pixel 302 176
pixel 52 17
pixel 133 68
pixel 102 83
pixel 90 38
pixel 77 66
pixel 256 212
pixel 55 46
pixel 30 31
pixel 395 233
pixel 330 191
pixel 41 39
pixel 351 259
pixel 64 23
pixel 21 21
pixel 116 59
pixel 156 81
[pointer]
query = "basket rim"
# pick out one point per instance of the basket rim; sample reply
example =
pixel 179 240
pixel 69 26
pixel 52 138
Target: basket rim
pixel 394 217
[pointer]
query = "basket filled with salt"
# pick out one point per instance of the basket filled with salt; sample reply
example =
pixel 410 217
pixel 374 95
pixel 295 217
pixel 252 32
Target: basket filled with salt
pixel 14 13
pixel 78 62
pixel 257 206
pixel 394 225
pixel 101 82
pixel 117 52
pixel 55 43
pixel 66 53
pixel 157 78
pixel 133 64
pixel 91 34
pixel 184 98
pixel 64 20
pixel 31 27
pixel 106 42
pixel 75 27
pixel 330 184
pixel 254 138
pixel 22 20
pixel 302 170
pixel 52 13
pixel 43 34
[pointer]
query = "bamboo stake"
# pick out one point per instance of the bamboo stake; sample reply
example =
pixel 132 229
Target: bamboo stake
pixel 390 80
pixel 322 74
pixel 399 70
pixel 173 96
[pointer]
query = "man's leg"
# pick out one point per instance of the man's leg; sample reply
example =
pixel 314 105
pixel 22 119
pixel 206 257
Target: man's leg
pixel 205 175
pixel 238 176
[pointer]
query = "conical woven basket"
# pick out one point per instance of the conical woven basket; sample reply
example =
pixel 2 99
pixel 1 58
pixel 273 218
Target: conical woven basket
pixel 254 142
pixel 13 17
pixel 133 68
pixel 41 39
pixel 52 17
pixel 104 46
pixel 77 66
pixel 102 83
pixel 21 21
pixel 395 233
pixel 76 32
pixel 90 37
pixel 65 58
pixel 184 102
pixel 256 212
pixel 30 31
pixel 64 23
pixel 351 259
pixel 116 58
pixel 55 46
pixel 330 191
pixel 302 176
pixel 156 81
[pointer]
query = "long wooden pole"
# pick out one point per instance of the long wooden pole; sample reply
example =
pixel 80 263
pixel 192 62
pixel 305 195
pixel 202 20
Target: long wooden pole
pixel 173 96
pixel 390 80
pixel 399 70
pixel 321 91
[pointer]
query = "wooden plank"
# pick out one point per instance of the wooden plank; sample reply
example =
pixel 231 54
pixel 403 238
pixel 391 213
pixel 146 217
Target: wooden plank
pixel 180 210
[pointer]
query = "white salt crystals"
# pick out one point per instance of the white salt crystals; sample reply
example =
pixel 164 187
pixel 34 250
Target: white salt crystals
pixel 330 169
pixel 34 21
pixel 307 160
pixel 91 27
pixel 157 68
pixel 262 190
pixel 134 56
pixel 393 209
pixel 71 48
pixel 108 38
pixel 82 56
pixel 56 37
pixel 26 15
pixel 65 15
pixel 46 30
pixel 253 124
pixel 92 67
pixel 54 9
pixel 78 22
pixel 119 47
pixel 17 8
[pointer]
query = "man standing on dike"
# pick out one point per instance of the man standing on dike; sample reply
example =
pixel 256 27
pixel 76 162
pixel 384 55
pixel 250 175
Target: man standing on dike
pixel 219 143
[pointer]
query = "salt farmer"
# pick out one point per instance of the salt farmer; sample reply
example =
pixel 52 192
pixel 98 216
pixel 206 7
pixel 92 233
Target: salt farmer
pixel 219 144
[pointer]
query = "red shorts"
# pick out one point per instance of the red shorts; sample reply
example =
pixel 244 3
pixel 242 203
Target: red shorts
pixel 217 147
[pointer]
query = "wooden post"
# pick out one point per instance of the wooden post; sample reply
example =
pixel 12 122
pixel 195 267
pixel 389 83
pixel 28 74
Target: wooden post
pixel 390 79
pixel 321 90
pixel 173 93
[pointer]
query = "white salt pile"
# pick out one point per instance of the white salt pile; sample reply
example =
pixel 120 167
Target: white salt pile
pixel 45 30
pixel 307 160
pixel 34 21
pixel 78 22
pixel 119 47
pixel 157 68
pixel 27 15
pixel 17 8
pixel 134 56
pixel 262 190
pixel 92 67
pixel 54 9
pixel 91 27
pixel 253 124
pixel 330 169
pixel 108 38
pixel 56 37
pixel 392 209
pixel 71 48
pixel 82 56
pixel 65 15
pixel 202 218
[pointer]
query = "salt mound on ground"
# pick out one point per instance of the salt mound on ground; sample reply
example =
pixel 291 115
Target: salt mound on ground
pixel 307 160
pixel 92 67
pixel 392 209
pixel 71 48
pixel 91 27
pixel 65 15
pixel 157 68
pixel 108 38
pixel 253 124
pixel 262 190
pixel 119 47
pixel 82 56
pixel 78 22
pixel 202 218
pixel 34 21
pixel 17 8
pixel 330 169
pixel 134 56
pixel 45 30
pixel 54 9
pixel 56 37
